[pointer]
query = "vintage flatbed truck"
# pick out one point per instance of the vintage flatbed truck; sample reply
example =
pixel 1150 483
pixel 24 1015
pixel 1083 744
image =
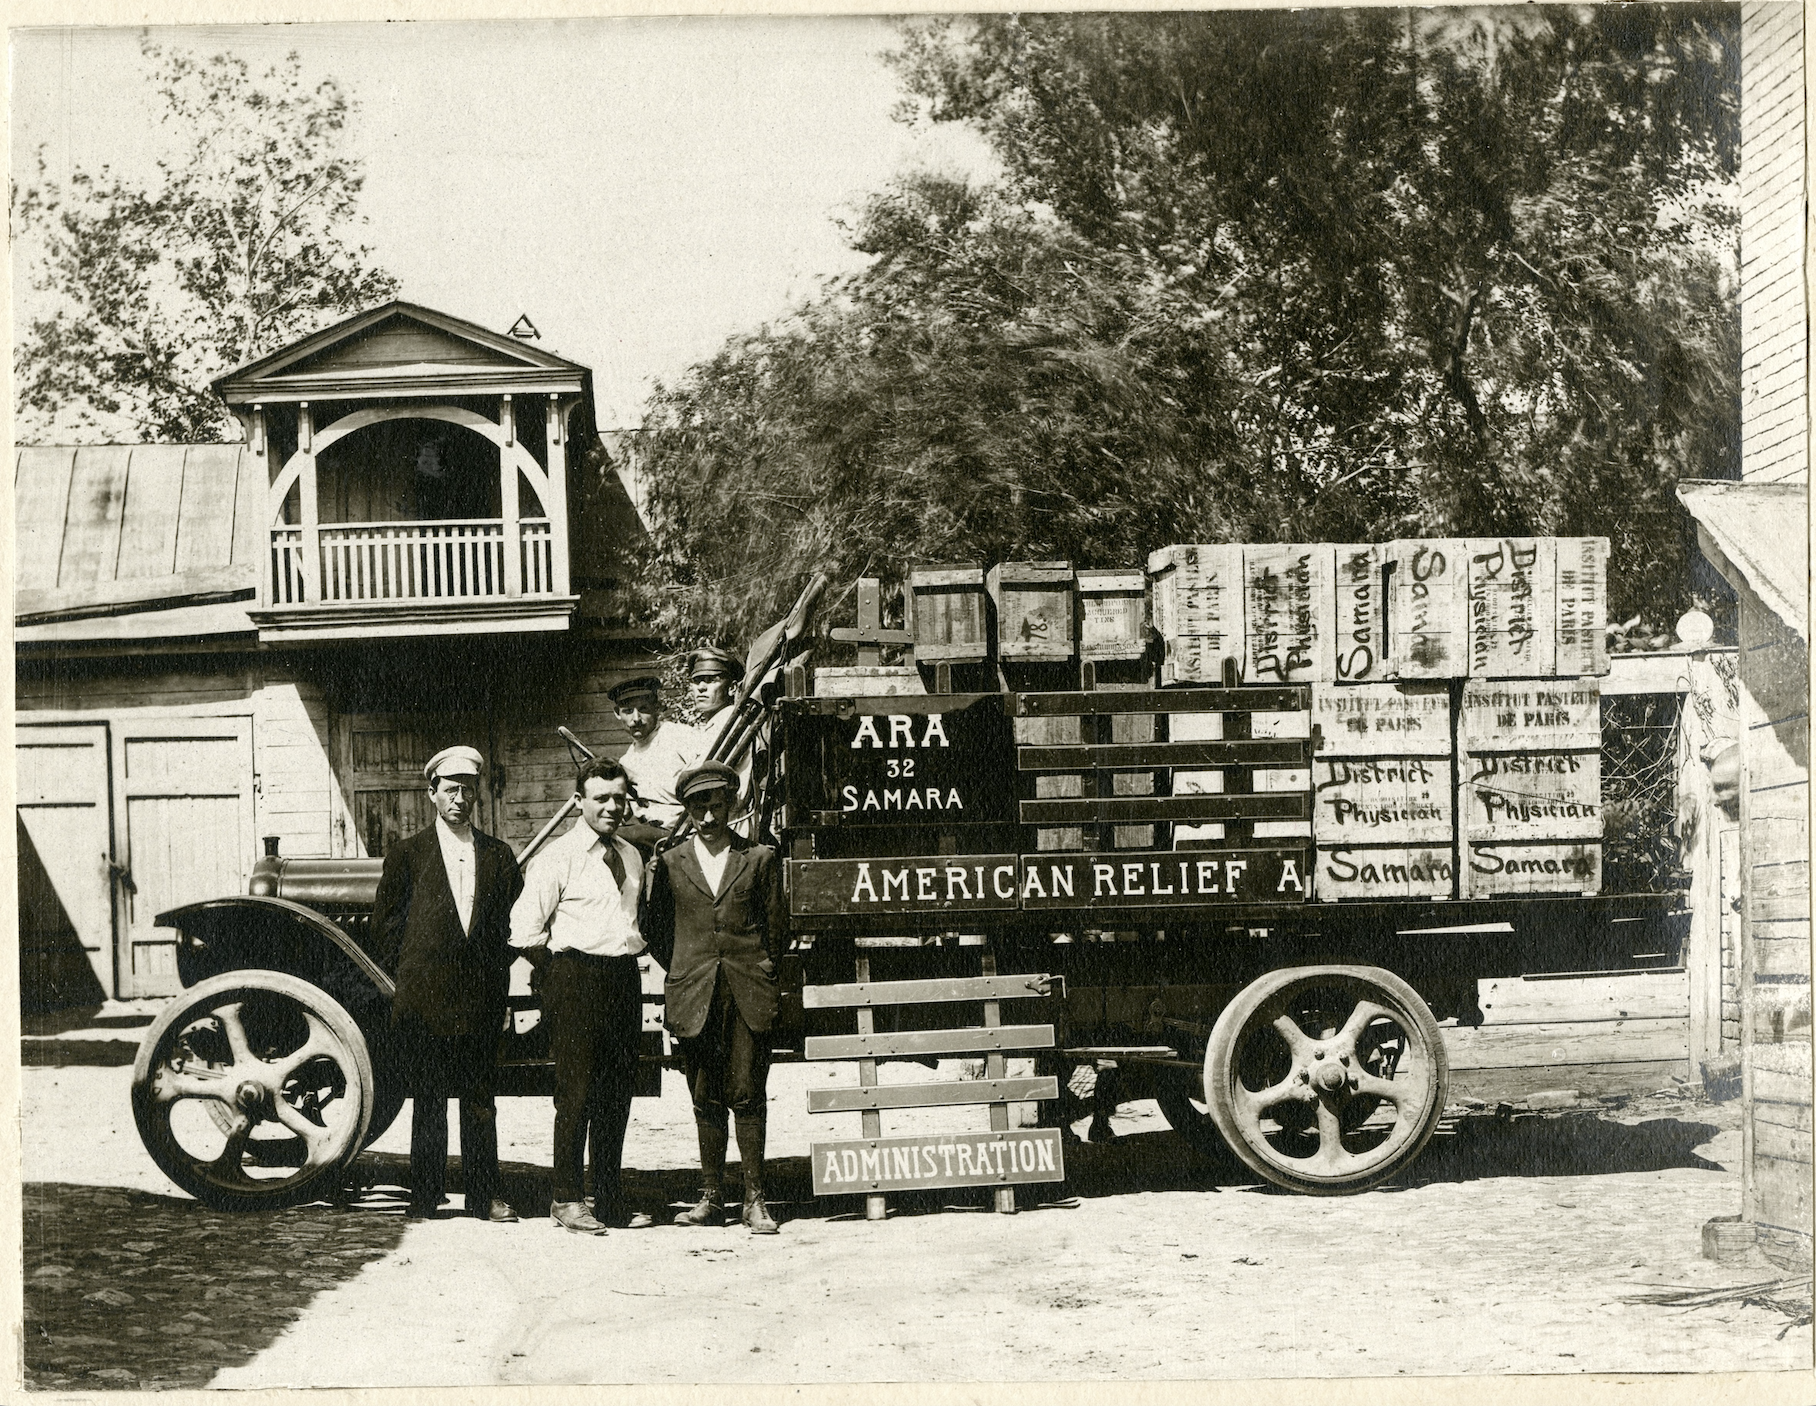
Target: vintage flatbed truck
pixel 1271 893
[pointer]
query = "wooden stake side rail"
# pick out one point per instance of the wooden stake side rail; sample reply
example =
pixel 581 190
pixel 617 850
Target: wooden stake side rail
pixel 904 993
pixel 928 1042
pixel 1192 807
pixel 966 1091
pixel 1283 752
pixel 1292 699
pixel 1001 1158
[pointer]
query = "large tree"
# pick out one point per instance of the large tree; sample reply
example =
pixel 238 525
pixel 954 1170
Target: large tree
pixel 142 291
pixel 1338 275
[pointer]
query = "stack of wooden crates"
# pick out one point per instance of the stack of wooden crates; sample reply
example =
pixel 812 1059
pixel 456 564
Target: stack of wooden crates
pixel 1455 702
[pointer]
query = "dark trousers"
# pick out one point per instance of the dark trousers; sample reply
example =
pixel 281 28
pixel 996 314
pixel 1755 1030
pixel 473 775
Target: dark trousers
pixel 595 1012
pixel 727 1067
pixel 437 1068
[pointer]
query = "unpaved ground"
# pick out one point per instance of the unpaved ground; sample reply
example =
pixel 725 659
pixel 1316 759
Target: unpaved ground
pixel 1509 1249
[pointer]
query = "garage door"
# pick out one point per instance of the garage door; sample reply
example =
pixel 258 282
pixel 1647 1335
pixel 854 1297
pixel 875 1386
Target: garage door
pixel 183 791
pixel 65 907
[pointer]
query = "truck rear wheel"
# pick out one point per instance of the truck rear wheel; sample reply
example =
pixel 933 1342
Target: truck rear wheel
pixel 1326 1080
pixel 253 1091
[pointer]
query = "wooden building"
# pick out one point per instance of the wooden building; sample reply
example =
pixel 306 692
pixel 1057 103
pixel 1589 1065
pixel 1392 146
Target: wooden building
pixel 1755 533
pixel 420 541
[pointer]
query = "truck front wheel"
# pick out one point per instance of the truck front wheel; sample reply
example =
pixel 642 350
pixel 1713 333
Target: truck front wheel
pixel 1326 1079
pixel 253 1091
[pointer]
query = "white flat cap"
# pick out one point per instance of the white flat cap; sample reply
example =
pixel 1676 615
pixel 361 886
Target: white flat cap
pixel 454 761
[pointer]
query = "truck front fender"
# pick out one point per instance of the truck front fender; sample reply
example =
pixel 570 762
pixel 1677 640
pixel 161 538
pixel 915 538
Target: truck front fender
pixel 274 934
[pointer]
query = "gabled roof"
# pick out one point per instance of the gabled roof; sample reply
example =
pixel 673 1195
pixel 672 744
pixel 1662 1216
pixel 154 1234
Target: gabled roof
pixel 400 349
pixel 1760 533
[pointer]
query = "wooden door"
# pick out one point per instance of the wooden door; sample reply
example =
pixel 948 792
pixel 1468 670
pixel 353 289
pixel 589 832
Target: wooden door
pixel 183 830
pixel 66 900
pixel 378 759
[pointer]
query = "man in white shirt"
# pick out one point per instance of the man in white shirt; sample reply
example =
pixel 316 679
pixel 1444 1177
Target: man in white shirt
pixel 577 921
pixel 660 750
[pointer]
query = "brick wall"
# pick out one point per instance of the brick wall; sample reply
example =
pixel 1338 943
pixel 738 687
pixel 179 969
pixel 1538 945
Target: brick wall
pixel 1774 354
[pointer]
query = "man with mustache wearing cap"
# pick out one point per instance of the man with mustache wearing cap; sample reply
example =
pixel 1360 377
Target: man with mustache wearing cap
pixel 714 918
pixel 659 750
pixel 441 925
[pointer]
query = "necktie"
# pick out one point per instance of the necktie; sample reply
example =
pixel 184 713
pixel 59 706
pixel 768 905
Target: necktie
pixel 615 864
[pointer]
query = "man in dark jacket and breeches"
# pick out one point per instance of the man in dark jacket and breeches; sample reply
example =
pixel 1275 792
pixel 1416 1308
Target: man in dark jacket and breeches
pixel 441 926
pixel 713 916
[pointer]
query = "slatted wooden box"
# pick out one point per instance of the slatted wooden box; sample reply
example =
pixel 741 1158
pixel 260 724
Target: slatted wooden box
pixel 1286 604
pixel 1582 606
pixel 950 621
pixel 1195 591
pixel 1512 607
pixel 1427 609
pixel 1034 610
pixel 1529 787
pixel 1112 615
pixel 1358 651
pixel 1383 781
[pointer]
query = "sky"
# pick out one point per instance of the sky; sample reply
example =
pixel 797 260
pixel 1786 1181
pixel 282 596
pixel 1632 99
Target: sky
pixel 642 188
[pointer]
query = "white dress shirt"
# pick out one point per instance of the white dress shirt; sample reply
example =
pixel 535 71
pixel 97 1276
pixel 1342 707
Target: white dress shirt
pixel 711 865
pixel 654 763
pixel 459 858
pixel 571 902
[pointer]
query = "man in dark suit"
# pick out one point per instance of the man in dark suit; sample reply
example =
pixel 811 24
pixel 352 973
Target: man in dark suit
pixel 441 924
pixel 714 918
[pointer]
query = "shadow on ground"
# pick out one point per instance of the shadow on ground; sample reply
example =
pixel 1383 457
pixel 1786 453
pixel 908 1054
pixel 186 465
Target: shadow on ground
pixel 135 1290
pixel 52 1053
pixel 1469 1149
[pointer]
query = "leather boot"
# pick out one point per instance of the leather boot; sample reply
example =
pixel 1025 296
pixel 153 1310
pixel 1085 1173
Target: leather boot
pixel 710 1209
pixel 574 1216
pixel 756 1213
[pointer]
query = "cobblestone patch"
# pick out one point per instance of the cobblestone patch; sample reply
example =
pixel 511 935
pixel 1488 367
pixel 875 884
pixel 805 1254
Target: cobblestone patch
pixel 131 1289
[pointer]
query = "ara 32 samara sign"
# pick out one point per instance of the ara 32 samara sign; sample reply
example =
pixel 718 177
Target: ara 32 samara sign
pixel 994 882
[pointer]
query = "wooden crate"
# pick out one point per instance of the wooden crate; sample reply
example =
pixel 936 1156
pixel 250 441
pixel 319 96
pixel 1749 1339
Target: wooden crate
pixel 1196 598
pixel 1112 615
pixel 950 625
pixel 1358 651
pixel 1546 866
pixel 1427 615
pixel 1512 607
pixel 1383 719
pixel 1529 786
pixel 1034 610
pixel 1287 605
pixel 1582 606
pixel 1383 791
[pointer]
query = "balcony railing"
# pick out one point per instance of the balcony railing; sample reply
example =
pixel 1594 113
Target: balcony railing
pixel 443 560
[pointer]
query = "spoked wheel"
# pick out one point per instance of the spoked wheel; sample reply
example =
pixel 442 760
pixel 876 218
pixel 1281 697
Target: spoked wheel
pixel 253 1090
pixel 1181 1099
pixel 1326 1079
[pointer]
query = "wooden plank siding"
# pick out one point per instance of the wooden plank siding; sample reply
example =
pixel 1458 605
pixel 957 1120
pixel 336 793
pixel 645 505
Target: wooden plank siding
pixel 1774 351
pixel 1773 971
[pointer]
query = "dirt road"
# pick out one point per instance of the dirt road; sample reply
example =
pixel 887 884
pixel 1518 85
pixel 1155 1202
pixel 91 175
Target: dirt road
pixel 1508 1249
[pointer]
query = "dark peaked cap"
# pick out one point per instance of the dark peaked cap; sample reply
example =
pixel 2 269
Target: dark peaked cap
pixel 630 688
pixel 708 660
pixel 708 776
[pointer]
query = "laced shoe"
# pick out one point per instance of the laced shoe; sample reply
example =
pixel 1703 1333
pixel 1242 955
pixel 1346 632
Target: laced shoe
pixel 574 1216
pixel 756 1214
pixel 710 1210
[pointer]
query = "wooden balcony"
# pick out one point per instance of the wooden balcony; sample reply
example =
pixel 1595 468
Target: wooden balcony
pixel 411 578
